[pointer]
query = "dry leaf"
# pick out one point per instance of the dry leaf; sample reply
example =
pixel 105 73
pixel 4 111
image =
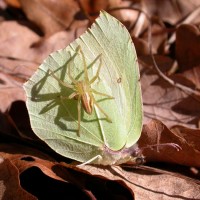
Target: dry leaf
pixel 170 11
pixel 168 104
pixel 156 133
pixel 27 173
pixel 187 53
pixel 50 16
pixel 193 75
pixel 9 185
pixel 149 185
pixel 13 3
pixel 11 90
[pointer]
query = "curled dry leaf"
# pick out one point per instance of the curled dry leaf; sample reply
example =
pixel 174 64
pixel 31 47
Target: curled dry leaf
pixel 95 6
pixel 141 46
pixel 23 169
pixel 101 186
pixel 13 3
pixel 168 104
pixel 13 73
pixel 17 42
pixel 157 133
pixel 9 185
pixel 170 11
pixel 190 139
pixel 11 90
pixel 50 16
pixel 38 174
pixel 193 74
pixel 147 185
pixel 187 53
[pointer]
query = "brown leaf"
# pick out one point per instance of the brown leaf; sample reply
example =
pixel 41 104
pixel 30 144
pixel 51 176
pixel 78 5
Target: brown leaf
pixel 13 3
pixel 11 90
pixel 191 138
pixel 187 46
pixel 159 36
pixel 39 172
pixel 94 7
pixel 193 75
pixel 164 101
pixel 170 11
pixel 17 42
pixel 50 16
pixel 149 185
pixel 141 47
pixel 101 185
pixel 34 172
pixel 13 73
pixel 9 185
pixel 157 133
pixel 19 123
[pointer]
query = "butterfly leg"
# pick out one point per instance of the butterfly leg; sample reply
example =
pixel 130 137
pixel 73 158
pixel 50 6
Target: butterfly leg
pixel 91 160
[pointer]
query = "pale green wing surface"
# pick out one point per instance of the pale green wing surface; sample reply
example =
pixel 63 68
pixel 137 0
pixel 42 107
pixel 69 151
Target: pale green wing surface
pixel 55 119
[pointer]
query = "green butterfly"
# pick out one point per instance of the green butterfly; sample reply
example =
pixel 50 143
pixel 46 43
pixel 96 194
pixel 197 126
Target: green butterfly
pixel 104 59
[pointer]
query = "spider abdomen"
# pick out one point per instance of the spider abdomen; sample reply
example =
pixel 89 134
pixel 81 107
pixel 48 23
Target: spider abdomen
pixel 84 93
pixel 87 102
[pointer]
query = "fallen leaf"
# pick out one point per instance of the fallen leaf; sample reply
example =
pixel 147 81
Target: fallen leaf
pixel 191 138
pixel 100 186
pixel 168 104
pixel 156 133
pixel 17 42
pixel 13 34
pixel 39 173
pixel 148 185
pixel 10 185
pixel 11 90
pixel 193 75
pixel 30 173
pixel 13 3
pixel 50 16
pixel 170 11
pixel 187 53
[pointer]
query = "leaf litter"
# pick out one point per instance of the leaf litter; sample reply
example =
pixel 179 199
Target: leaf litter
pixel 176 121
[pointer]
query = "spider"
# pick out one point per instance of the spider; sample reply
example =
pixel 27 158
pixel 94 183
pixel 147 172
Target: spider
pixel 82 90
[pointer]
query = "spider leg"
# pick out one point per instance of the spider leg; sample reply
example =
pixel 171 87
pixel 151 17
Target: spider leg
pixel 61 82
pixel 98 70
pixel 102 94
pixel 79 114
pixel 71 96
pixel 85 66
pixel 97 105
pixel 74 81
